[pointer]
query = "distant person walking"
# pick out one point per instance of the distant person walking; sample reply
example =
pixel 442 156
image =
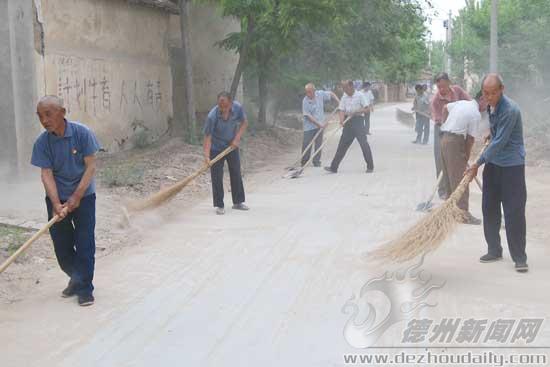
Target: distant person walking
pixel 445 93
pixel 503 176
pixel 353 104
pixel 313 110
pixel 224 127
pixel 65 153
pixel 421 107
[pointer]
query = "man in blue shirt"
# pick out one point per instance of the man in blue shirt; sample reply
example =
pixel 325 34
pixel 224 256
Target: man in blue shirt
pixel 313 110
pixel 65 152
pixel 224 127
pixel 503 176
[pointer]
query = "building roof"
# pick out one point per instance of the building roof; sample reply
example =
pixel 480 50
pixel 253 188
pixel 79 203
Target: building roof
pixel 170 6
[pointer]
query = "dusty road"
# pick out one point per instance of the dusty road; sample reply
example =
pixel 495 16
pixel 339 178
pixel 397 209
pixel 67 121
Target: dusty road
pixel 268 287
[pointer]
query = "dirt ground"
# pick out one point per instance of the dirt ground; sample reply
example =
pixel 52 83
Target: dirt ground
pixel 121 178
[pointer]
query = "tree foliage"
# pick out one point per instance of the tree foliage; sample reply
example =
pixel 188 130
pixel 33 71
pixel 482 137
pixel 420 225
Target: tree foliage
pixel 292 42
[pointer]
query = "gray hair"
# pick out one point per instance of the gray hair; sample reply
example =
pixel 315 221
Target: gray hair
pixel 496 76
pixel 51 100
pixel 309 86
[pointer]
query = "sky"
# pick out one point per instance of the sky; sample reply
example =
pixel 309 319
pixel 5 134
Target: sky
pixel 441 8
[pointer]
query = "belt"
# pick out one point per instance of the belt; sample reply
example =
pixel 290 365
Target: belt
pixel 451 134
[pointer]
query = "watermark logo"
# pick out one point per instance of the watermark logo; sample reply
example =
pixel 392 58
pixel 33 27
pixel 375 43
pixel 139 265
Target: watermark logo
pixel 382 302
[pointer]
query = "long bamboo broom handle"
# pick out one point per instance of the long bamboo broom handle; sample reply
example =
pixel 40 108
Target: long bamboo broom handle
pixel 459 191
pixel 325 142
pixel 165 194
pixel 313 140
pixel 29 242
pixel 439 178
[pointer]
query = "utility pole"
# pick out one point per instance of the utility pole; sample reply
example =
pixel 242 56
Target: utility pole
pixel 190 130
pixel 448 38
pixel 493 55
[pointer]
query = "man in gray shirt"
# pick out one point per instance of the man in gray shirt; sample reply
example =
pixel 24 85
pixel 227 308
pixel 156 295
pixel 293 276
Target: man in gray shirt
pixel 313 110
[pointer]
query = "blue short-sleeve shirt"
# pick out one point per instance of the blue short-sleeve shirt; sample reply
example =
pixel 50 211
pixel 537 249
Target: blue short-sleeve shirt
pixel 65 156
pixel 223 131
pixel 316 108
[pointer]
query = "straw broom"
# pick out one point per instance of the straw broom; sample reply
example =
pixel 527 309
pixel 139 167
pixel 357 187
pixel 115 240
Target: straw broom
pixel 430 232
pixel 168 193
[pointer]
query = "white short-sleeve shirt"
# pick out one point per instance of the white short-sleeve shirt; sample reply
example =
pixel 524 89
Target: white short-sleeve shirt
pixel 464 118
pixel 351 104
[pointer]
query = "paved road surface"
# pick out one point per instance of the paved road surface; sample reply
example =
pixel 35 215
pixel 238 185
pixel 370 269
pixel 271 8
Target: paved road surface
pixel 268 287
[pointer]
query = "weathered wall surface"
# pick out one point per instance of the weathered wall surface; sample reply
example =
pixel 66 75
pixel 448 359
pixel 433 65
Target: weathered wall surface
pixel 213 67
pixel 109 61
pixel 17 121
pixel 115 64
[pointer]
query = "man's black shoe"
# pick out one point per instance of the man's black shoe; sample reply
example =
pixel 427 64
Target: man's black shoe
pixel 522 267
pixel 85 299
pixel 488 258
pixel 329 169
pixel 69 291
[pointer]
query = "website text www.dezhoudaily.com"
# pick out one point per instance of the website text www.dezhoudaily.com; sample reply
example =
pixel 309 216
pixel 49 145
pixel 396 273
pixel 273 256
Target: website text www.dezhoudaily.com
pixel 488 358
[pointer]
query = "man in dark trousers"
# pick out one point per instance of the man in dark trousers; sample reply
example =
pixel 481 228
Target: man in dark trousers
pixel 353 104
pixel 65 152
pixel 224 127
pixel 313 110
pixel 503 176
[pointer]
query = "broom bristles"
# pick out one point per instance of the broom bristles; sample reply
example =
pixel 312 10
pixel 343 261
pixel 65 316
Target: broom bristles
pixel 168 193
pixel 428 234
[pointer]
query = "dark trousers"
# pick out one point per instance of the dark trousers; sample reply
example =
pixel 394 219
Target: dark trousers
pixel 367 122
pixel 216 172
pixel 308 136
pixel 353 129
pixel 505 186
pixel 422 128
pixel 74 243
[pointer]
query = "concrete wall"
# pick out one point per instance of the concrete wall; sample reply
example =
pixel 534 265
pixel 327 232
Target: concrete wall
pixel 109 61
pixel 213 67
pixel 115 64
pixel 17 73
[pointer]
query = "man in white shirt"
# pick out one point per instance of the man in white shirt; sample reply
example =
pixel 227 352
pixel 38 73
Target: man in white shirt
pixel 370 99
pixel 352 104
pixel 458 134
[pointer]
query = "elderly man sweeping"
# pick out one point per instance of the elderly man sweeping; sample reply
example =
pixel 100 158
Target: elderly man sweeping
pixel 503 176
pixel 458 133
pixel 445 93
pixel 65 152
pixel 313 110
pixel 224 126
pixel 354 105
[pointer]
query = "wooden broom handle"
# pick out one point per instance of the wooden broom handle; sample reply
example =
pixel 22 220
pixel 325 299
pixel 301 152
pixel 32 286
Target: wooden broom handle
pixel 29 242
pixel 326 141
pixel 315 137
